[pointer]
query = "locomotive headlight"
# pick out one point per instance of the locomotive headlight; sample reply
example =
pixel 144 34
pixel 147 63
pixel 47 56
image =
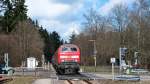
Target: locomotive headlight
pixel 75 56
pixel 76 60
pixel 63 60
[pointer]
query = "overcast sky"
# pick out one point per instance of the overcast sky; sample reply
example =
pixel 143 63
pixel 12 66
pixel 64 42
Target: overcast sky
pixel 66 16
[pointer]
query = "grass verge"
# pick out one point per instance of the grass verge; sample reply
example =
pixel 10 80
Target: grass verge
pixel 22 80
pixel 120 82
pixel 100 69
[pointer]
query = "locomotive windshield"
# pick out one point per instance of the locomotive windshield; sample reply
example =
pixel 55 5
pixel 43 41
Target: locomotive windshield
pixel 69 49
pixel 65 49
pixel 73 49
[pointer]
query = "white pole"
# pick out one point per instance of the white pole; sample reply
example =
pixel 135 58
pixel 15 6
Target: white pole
pixel 113 75
pixel 6 59
pixel 95 52
pixel 95 63
pixel 43 61
pixel 48 66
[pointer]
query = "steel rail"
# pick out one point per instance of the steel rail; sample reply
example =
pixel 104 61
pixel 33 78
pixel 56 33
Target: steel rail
pixel 83 81
pixel 87 81
pixel 69 81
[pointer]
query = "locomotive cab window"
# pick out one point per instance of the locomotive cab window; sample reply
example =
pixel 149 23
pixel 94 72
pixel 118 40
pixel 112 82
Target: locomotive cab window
pixel 73 49
pixel 64 49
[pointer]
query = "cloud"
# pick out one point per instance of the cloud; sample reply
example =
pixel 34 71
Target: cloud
pixel 56 15
pixel 64 29
pixel 63 16
pixel 45 8
pixel 66 1
pixel 73 27
pixel 107 7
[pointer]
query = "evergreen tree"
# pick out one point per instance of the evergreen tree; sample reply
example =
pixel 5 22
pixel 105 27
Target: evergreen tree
pixel 52 42
pixel 20 10
pixel 55 41
pixel 36 23
pixel 62 42
pixel 72 37
pixel 45 36
pixel 15 11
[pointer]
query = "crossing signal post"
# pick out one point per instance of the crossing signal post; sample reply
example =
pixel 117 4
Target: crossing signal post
pixel 122 54
pixel 136 56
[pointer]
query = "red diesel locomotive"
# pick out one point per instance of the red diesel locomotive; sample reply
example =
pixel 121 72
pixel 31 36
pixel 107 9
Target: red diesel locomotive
pixel 66 60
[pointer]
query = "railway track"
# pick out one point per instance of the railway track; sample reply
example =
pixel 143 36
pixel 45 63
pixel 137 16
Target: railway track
pixel 69 81
pixel 79 82
pixel 75 79
pixel 87 81
pixel 80 76
pixel 72 77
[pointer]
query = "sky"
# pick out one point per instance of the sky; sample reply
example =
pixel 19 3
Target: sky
pixel 66 16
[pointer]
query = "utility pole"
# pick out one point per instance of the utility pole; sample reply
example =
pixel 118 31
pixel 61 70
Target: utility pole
pixel 94 53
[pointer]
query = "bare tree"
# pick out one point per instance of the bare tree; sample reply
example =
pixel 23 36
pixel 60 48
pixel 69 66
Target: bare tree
pixel 29 40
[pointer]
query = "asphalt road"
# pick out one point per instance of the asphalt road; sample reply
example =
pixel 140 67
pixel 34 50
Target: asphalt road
pixel 48 81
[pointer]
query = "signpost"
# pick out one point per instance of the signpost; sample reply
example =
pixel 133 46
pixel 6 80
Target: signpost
pixel 113 60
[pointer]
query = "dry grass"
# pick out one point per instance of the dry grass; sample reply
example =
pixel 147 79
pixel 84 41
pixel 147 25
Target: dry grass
pixel 22 80
pixel 100 69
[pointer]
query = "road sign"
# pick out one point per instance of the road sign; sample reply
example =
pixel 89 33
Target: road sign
pixel 113 60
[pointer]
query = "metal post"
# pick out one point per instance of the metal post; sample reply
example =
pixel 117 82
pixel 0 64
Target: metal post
pixel 6 60
pixel 122 52
pixel 43 61
pixel 94 53
pixel 95 63
pixel 113 60
pixel 120 61
pixel 136 58
pixel 113 77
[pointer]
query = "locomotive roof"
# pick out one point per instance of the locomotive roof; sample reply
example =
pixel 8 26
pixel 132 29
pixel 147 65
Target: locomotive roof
pixel 68 45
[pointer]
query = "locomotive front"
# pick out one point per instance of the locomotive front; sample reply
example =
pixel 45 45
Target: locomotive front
pixel 68 59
